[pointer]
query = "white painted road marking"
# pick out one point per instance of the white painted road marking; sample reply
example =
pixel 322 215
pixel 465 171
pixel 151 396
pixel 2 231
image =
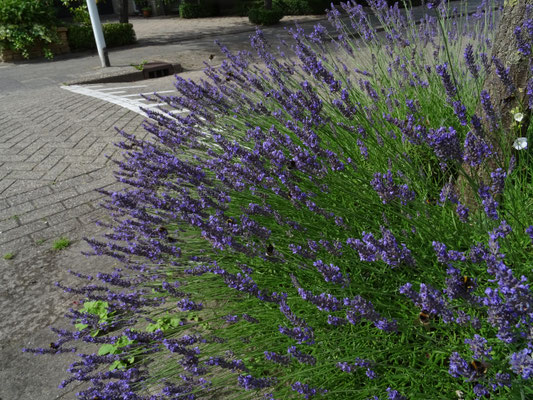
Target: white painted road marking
pixel 150 93
pixel 126 101
pixel 124 87
pixel 132 102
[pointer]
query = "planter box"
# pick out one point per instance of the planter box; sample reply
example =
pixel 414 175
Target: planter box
pixel 7 55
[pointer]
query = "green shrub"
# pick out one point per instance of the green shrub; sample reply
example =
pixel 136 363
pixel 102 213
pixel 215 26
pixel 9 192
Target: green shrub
pixel 81 37
pixel 319 6
pixel 198 10
pixel 260 16
pixel 242 8
pixel 24 23
pixel 294 7
pixel 117 34
pixel 188 10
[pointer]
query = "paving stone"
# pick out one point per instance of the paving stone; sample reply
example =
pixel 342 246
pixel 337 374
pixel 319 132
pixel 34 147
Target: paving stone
pixel 90 196
pixel 71 213
pixel 7 224
pixel 16 211
pixel 30 195
pixel 5 183
pixel 54 172
pixel 22 231
pixel 26 175
pixel 40 155
pixel 21 186
pixel 55 197
pixel 18 166
pixel 70 229
pixel 97 184
pixel 15 246
pixel 13 158
pixel 41 213
pixel 3 204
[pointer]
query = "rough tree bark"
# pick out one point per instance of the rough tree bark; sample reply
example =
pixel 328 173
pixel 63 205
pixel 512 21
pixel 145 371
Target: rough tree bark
pixel 505 49
pixel 124 11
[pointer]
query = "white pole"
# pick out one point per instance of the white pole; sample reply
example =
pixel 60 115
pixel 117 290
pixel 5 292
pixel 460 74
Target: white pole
pixel 98 34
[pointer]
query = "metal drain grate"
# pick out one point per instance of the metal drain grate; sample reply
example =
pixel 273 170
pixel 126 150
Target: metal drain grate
pixel 157 70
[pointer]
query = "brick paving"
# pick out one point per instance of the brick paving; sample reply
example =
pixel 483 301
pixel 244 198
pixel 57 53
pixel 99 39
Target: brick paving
pixel 53 158
pixel 53 147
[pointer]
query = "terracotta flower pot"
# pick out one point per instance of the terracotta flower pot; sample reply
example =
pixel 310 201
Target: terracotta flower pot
pixel 147 12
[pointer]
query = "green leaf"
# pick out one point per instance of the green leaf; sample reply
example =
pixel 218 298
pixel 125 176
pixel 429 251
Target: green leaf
pixel 80 326
pixel 117 365
pixel 106 349
pixel 123 341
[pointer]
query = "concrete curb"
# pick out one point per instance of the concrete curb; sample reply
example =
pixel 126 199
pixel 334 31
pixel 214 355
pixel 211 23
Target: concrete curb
pixel 121 74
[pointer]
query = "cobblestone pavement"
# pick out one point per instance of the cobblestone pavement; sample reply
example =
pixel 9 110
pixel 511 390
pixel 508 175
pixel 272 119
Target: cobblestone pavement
pixel 53 148
pixel 52 158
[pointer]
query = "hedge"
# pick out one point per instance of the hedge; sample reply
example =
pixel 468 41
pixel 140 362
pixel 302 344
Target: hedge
pixel 81 37
pixel 260 16
pixel 196 10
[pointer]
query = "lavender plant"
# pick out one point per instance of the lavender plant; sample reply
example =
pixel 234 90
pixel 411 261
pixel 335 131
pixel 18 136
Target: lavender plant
pixel 302 232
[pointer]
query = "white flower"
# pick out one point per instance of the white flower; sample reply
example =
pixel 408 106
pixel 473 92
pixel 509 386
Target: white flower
pixel 518 117
pixel 520 143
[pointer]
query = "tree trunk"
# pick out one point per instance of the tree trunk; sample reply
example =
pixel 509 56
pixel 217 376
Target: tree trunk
pixel 503 100
pixel 268 4
pixel 124 11
pixel 505 49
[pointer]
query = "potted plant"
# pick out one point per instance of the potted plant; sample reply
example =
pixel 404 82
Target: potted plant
pixel 145 7
pixel 147 11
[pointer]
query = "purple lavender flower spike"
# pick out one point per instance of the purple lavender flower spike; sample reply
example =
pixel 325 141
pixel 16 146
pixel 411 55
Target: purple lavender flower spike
pixel 188 305
pixel 522 363
pixel 524 46
pixel 498 180
pixel 395 395
pixel 490 205
pixel 478 347
pixel 470 61
pixel 445 144
pixel 447 256
pixel 503 74
pixel 358 364
pixel 248 382
pixel 359 308
pixel 449 86
pixel 486 103
pixel 529 231
pixel 277 358
pixel 332 273
pixel 460 111
pixel 429 300
pixel 306 390
pixel 458 366
pixel 476 149
pixel 301 357
pixel 389 191
pixel 302 335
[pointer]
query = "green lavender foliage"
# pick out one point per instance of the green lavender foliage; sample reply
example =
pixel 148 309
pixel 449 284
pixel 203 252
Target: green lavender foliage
pixel 396 311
